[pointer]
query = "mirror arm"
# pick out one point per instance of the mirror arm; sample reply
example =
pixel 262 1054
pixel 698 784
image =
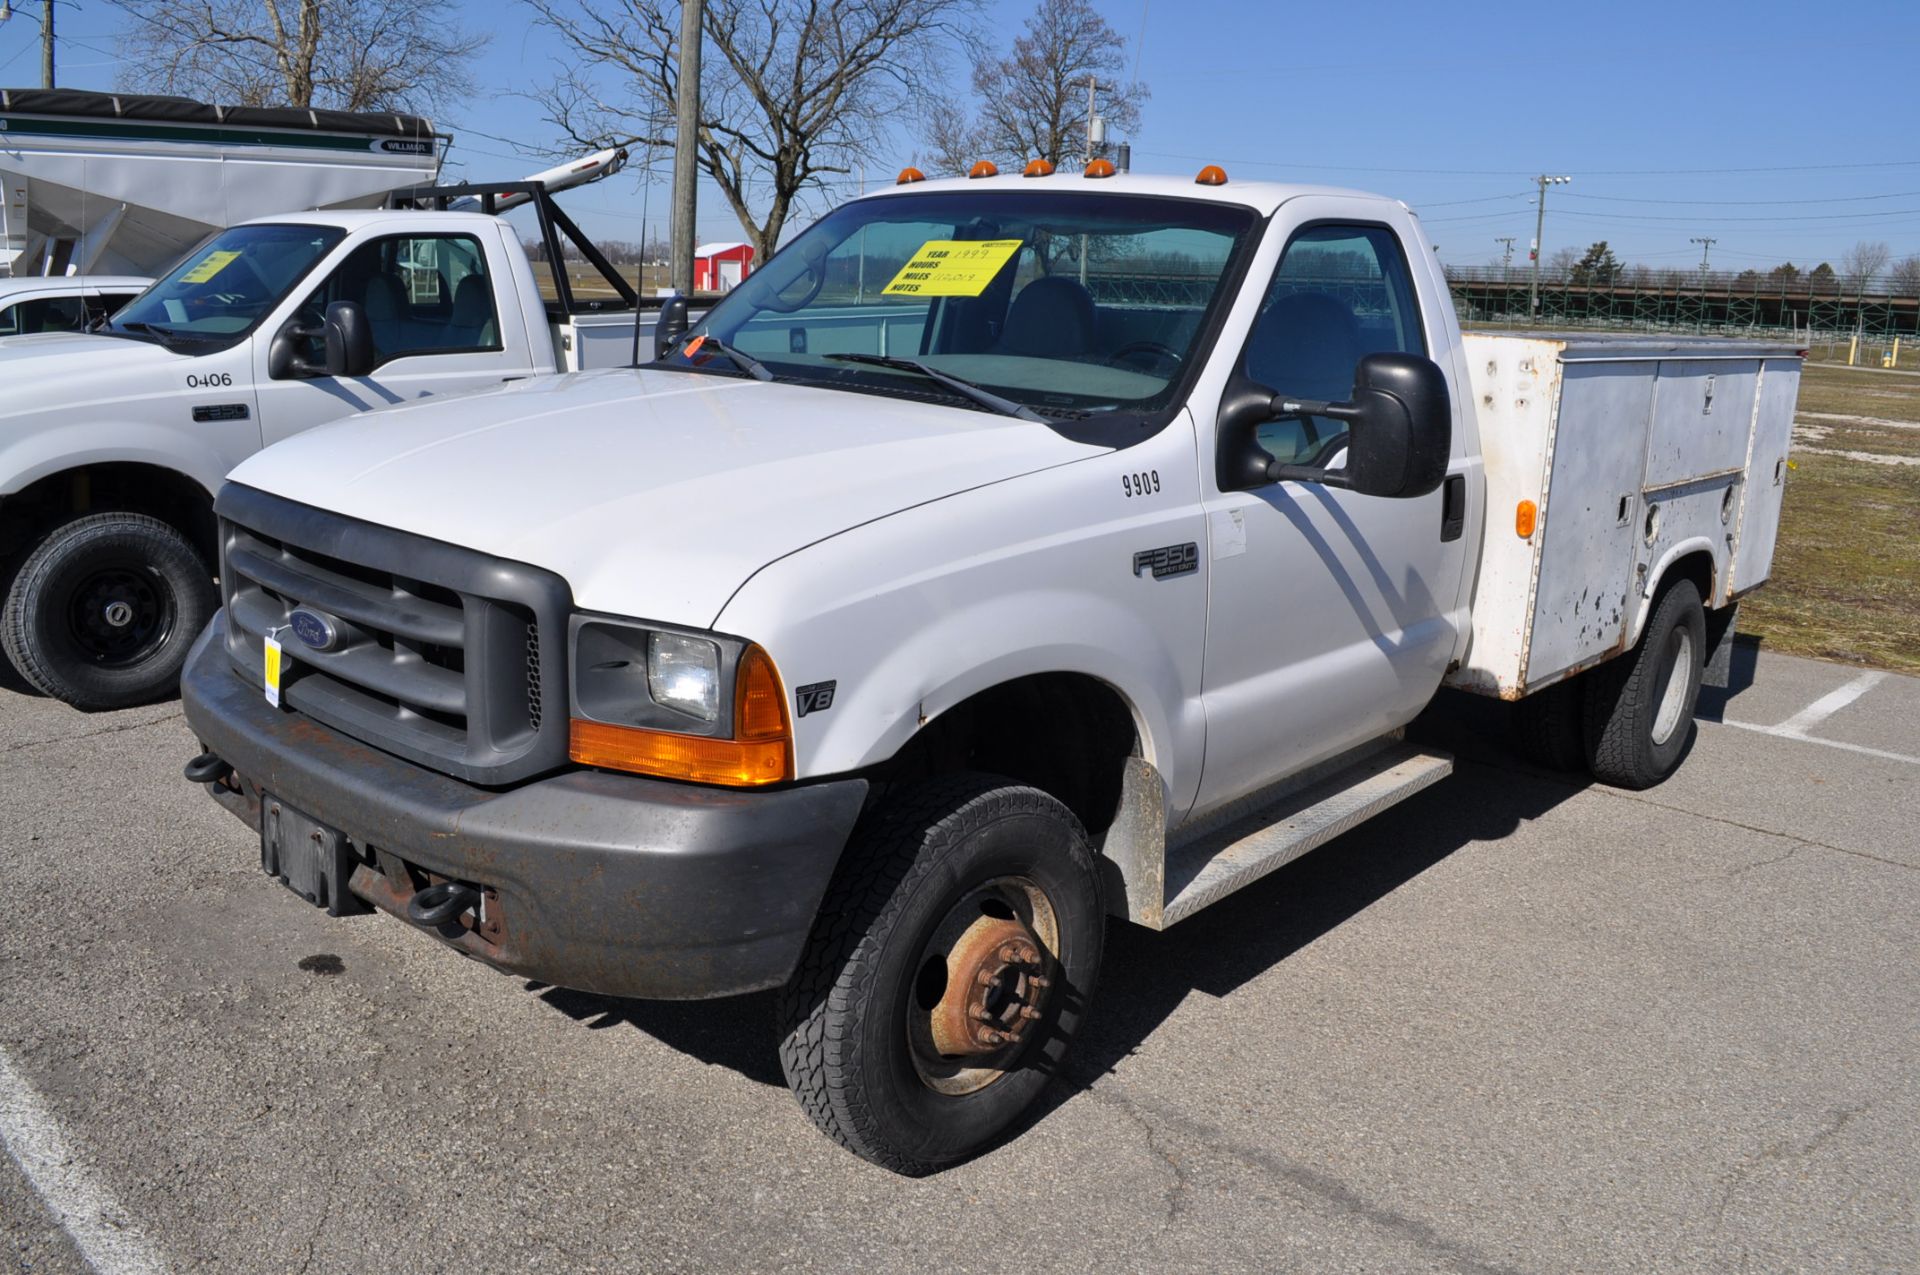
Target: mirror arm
pixel 1280 471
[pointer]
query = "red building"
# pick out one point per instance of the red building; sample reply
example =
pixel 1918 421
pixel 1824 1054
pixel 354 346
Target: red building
pixel 717 267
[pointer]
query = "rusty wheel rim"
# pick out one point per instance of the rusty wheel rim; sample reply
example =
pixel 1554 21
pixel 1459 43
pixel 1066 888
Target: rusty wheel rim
pixel 981 985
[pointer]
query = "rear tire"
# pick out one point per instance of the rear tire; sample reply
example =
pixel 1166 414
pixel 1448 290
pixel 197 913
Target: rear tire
pixel 1548 726
pixel 870 1018
pixel 103 611
pixel 1639 707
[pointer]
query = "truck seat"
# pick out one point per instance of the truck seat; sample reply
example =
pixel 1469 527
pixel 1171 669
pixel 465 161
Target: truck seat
pixel 1306 344
pixel 1052 317
pixel 471 324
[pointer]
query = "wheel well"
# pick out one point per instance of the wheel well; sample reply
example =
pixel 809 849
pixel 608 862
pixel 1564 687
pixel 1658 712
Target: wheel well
pixel 125 487
pixel 1066 734
pixel 1697 567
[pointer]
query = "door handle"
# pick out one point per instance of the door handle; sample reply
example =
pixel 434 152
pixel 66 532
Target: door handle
pixel 1453 508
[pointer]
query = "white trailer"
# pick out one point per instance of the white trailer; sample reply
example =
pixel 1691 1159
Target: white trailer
pixel 113 183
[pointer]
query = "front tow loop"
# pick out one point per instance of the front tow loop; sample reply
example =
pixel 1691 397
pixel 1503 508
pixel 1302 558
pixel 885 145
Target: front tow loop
pixel 440 903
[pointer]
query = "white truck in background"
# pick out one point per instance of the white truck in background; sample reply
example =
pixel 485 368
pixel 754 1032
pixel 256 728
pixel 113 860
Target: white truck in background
pixel 113 440
pixel 1006 554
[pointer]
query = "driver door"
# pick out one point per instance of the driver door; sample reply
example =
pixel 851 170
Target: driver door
pixel 1332 615
pixel 431 301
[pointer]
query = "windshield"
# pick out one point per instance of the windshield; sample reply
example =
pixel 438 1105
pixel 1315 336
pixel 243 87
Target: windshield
pixel 1069 304
pixel 228 284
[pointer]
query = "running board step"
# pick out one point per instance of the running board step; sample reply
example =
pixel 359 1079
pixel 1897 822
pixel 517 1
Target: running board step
pixel 1218 859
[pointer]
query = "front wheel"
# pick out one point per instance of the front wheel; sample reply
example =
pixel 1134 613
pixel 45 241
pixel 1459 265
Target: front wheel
pixel 951 965
pixel 102 612
pixel 1639 707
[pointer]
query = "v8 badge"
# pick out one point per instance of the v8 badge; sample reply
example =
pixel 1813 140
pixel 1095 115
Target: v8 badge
pixel 815 697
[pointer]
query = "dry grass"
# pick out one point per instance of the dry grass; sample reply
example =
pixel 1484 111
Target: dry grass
pixel 1846 574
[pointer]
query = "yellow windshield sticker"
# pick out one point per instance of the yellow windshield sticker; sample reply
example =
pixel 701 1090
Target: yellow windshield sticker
pixel 213 265
pixel 952 268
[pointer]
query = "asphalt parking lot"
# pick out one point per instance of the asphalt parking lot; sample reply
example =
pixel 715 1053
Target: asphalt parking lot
pixel 1516 1024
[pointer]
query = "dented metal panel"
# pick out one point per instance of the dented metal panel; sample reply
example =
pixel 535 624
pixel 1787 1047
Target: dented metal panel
pixel 1758 524
pixel 1585 540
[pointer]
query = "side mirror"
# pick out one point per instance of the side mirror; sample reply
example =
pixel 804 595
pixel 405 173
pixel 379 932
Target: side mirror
pixel 670 327
pixel 1399 430
pixel 349 340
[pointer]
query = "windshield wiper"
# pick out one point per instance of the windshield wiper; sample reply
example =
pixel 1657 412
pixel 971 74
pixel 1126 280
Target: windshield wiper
pixel 745 362
pixel 966 389
pixel 166 336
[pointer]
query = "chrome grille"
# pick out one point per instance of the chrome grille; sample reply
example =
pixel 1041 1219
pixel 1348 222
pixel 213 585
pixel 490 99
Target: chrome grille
pixel 436 654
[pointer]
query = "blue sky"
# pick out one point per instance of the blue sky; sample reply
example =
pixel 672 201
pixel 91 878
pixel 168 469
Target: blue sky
pixel 1783 130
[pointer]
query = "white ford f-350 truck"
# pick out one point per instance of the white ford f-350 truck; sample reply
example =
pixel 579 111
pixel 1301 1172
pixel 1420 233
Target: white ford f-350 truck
pixel 1006 555
pixel 113 440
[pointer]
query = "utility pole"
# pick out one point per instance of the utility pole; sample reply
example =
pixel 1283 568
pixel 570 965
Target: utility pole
pixel 1706 246
pixel 1539 229
pixel 686 144
pixel 46 45
pixel 1506 258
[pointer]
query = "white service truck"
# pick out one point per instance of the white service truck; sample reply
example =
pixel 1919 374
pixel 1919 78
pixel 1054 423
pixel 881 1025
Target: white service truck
pixel 1006 555
pixel 113 440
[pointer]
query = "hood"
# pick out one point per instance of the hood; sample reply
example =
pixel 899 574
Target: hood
pixel 42 371
pixel 655 494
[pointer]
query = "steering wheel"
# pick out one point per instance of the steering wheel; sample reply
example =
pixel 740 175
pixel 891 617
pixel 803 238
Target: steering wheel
pixel 1158 350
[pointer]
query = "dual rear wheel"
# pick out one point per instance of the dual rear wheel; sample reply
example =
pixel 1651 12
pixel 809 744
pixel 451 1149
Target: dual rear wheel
pixel 1627 721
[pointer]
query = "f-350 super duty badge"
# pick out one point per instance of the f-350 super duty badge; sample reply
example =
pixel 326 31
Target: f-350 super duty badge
pixel 1174 560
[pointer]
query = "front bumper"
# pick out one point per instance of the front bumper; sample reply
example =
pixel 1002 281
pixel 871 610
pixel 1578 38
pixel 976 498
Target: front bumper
pixel 608 883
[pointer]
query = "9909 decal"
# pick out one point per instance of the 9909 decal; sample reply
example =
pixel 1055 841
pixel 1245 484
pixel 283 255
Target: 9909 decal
pixel 1140 484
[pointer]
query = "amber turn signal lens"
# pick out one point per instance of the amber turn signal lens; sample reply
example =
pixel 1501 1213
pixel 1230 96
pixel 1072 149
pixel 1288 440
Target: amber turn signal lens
pixel 908 176
pixel 1212 175
pixel 1038 168
pixel 984 168
pixel 1100 168
pixel 1525 516
pixel 760 752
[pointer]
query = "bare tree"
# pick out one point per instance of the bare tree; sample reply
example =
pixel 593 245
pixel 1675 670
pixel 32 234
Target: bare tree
pixel 1905 276
pixel 1033 101
pixel 1559 267
pixel 353 55
pixel 1863 261
pixel 800 90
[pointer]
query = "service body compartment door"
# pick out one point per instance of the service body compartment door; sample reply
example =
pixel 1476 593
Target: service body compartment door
pixel 1702 419
pixel 1766 480
pixel 1589 519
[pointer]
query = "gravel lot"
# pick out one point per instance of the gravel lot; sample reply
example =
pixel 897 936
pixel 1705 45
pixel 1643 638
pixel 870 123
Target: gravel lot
pixel 1517 1024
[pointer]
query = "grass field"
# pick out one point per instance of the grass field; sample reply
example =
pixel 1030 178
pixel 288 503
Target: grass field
pixel 1846 575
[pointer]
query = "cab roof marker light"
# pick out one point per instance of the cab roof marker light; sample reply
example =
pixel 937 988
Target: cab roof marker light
pixel 1211 175
pixel 908 176
pixel 1038 168
pixel 1100 168
pixel 985 168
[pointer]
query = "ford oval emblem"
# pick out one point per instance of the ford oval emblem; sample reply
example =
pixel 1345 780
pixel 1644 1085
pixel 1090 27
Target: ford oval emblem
pixel 314 629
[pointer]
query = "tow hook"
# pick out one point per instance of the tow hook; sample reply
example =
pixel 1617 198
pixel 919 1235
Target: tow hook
pixel 438 904
pixel 208 768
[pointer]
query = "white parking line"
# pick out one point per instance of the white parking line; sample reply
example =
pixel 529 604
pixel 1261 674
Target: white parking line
pixel 86 1210
pixel 1797 726
pixel 1829 704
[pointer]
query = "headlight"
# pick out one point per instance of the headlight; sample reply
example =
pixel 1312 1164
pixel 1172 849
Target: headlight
pixel 678 705
pixel 684 673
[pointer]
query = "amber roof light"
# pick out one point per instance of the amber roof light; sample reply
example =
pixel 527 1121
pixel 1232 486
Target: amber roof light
pixel 1038 168
pixel 984 168
pixel 1100 168
pixel 1211 175
pixel 908 176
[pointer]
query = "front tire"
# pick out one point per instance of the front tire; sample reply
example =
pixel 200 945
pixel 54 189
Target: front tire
pixel 102 613
pixel 951 965
pixel 1639 707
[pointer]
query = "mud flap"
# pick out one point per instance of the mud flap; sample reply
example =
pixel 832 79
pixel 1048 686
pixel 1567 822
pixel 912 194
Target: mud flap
pixel 1720 628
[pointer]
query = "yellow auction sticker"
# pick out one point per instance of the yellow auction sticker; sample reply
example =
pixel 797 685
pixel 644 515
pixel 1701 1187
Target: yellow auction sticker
pixel 213 265
pixel 952 268
pixel 271 670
